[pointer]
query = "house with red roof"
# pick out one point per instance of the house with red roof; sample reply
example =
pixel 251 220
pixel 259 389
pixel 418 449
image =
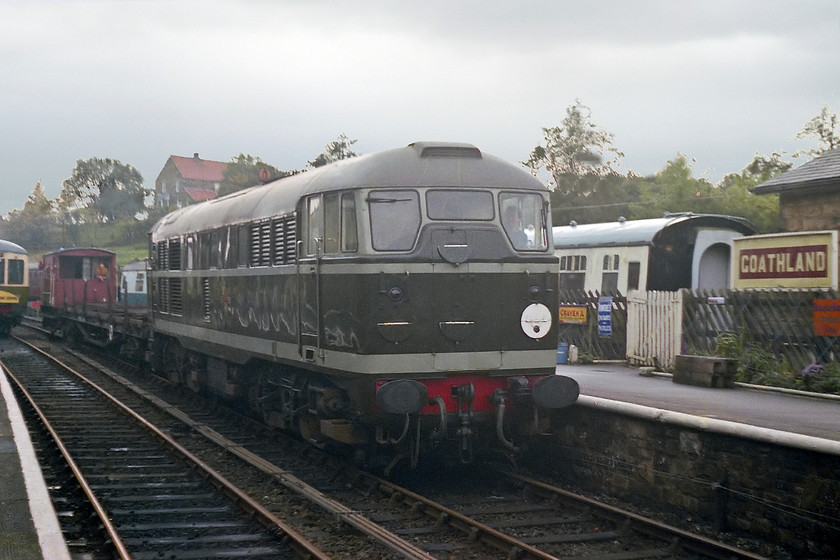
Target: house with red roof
pixel 187 180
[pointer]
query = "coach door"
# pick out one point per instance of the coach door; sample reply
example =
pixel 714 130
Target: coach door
pixel 309 278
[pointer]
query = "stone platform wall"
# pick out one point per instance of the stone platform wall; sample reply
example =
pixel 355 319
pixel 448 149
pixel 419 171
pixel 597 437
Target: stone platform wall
pixel 778 493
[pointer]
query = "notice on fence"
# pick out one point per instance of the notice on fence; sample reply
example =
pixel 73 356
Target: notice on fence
pixel 575 314
pixel 827 317
pixel 605 316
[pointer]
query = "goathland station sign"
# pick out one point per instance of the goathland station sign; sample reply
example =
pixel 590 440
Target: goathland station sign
pixel 786 260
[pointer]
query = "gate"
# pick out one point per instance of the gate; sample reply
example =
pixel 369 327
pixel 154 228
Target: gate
pixel 654 328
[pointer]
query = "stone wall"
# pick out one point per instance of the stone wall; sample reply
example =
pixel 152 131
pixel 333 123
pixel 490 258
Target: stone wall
pixel 810 213
pixel 785 495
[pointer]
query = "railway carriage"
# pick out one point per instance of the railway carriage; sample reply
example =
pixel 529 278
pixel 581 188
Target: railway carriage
pixel 681 250
pixel 388 299
pixel 14 285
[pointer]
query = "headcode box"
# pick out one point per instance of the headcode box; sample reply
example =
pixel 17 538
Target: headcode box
pixel 785 260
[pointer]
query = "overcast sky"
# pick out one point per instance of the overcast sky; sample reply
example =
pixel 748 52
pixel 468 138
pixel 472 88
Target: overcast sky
pixel 137 80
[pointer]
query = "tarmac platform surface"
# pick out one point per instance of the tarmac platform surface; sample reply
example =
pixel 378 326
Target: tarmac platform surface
pixel 29 527
pixel 808 414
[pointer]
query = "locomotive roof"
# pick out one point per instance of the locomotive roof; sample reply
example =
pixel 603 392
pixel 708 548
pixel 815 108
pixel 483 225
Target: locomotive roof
pixel 9 247
pixel 641 232
pixel 82 252
pixel 421 164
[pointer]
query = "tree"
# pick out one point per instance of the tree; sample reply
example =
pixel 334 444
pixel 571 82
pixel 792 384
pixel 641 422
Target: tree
pixel 111 189
pixel 825 127
pixel 31 227
pixel 609 198
pixel 674 189
pixel 243 171
pixel 574 150
pixel 763 211
pixel 334 151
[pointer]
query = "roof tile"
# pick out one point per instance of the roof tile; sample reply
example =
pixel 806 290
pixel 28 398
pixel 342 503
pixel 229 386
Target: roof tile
pixel 200 169
pixel 822 171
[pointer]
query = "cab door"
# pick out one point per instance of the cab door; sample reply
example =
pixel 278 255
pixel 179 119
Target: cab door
pixel 309 280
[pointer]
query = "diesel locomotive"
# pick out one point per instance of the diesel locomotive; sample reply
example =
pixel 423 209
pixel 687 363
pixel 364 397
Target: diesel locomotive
pixel 402 300
pixel 14 285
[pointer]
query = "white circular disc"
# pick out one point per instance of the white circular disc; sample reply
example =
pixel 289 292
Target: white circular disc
pixel 536 320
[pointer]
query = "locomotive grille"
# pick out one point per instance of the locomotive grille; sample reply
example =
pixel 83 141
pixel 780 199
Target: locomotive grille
pixel 174 254
pixel 176 299
pixel 206 293
pixel 162 256
pixel 261 244
pixel 284 240
pixel 163 295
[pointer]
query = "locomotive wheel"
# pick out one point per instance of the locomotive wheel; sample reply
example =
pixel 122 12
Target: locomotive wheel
pixel 309 427
pixel 177 363
pixel 258 391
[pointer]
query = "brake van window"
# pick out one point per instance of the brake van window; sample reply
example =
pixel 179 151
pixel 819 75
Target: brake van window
pixel 394 219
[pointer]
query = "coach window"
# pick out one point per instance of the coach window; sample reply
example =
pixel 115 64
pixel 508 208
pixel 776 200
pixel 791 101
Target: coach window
pixel 15 271
pixel 609 274
pixel 572 272
pixel 394 219
pixel 2 271
pixel 634 271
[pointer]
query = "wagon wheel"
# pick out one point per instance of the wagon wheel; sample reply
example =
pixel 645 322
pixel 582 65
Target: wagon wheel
pixel 73 334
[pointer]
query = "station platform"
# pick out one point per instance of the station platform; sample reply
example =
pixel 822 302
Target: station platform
pixel 29 527
pixel 811 415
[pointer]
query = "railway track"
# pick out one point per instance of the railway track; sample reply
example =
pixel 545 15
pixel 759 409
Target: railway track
pixel 151 497
pixel 498 515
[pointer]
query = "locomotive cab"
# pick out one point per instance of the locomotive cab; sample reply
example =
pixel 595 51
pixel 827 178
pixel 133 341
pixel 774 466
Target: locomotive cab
pixel 14 285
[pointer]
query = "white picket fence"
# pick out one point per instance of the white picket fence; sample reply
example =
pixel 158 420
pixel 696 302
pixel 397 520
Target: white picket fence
pixel 654 328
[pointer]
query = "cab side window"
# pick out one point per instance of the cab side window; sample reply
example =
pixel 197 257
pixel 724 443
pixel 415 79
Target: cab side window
pixel 331 224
